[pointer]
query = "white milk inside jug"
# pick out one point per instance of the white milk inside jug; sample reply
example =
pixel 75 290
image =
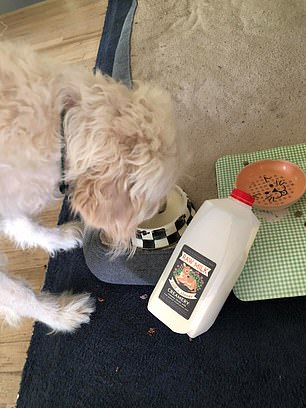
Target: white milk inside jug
pixel 205 264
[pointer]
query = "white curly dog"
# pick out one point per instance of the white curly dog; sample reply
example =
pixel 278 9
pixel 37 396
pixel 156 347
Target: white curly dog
pixel 121 157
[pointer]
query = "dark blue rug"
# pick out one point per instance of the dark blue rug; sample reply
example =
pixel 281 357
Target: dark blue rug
pixel 253 356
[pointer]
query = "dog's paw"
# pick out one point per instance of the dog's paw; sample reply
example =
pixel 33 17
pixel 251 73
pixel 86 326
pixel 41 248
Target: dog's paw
pixel 72 235
pixel 67 311
pixel 64 237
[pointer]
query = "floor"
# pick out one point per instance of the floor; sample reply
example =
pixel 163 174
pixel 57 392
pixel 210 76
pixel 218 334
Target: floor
pixel 11 5
pixel 69 30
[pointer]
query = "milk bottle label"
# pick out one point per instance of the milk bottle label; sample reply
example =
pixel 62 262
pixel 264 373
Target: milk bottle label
pixel 186 281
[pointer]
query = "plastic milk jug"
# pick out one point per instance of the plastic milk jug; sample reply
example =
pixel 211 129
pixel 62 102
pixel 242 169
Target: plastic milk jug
pixel 205 264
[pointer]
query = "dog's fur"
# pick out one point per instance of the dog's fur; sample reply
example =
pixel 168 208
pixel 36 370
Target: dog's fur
pixel 122 158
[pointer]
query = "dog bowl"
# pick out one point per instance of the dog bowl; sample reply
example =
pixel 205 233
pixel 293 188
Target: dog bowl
pixel 275 184
pixel 166 228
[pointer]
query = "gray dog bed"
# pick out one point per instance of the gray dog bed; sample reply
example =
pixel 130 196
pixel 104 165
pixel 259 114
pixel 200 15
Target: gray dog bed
pixel 144 268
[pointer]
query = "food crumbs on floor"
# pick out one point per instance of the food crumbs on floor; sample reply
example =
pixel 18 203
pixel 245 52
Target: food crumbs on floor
pixel 151 332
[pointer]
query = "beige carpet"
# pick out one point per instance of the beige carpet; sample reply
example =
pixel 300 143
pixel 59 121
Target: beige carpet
pixel 236 70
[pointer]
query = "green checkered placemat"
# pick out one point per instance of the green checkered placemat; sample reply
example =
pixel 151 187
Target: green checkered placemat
pixel 276 266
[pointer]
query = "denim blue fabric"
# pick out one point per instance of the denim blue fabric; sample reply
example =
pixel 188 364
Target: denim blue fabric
pixel 122 63
pixel 115 17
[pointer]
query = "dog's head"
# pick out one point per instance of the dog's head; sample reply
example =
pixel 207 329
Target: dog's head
pixel 123 156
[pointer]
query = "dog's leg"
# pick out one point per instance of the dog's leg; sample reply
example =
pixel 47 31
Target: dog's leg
pixel 28 234
pixel 64 312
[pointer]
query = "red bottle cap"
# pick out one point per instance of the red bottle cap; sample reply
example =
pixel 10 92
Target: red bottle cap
pixel 242 196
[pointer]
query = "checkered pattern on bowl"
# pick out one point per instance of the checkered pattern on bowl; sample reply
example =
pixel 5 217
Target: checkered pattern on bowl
pixel 164 237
